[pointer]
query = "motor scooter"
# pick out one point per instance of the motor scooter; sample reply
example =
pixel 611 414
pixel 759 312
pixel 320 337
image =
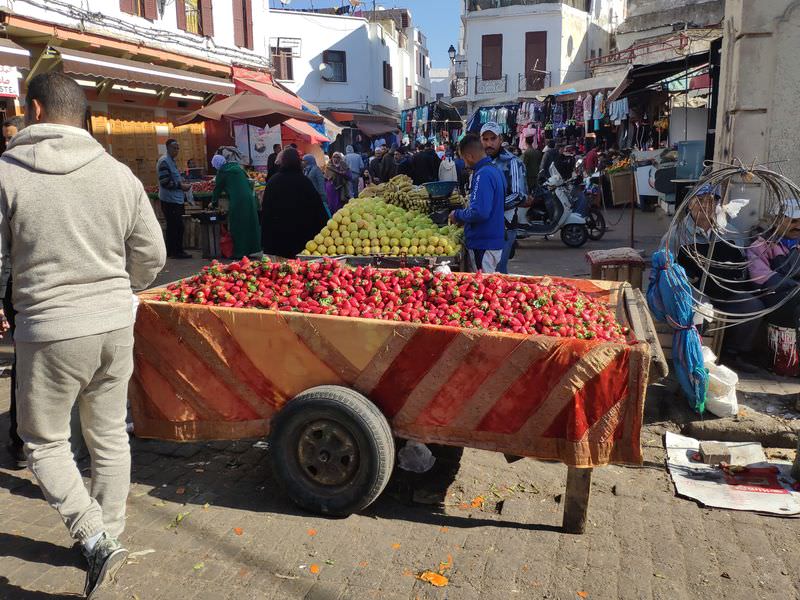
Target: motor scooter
pixel 559 215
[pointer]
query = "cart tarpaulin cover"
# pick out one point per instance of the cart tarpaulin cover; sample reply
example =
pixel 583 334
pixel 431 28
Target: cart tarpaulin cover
pixel 207 373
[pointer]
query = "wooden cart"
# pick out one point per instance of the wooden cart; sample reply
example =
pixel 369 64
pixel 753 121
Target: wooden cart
pixel 334 392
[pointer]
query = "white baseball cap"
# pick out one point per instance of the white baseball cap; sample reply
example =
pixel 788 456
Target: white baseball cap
pixel 493 127
pixel 791 208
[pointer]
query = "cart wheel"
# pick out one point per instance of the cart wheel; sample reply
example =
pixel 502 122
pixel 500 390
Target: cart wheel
pixel 332 450
pixel 574 236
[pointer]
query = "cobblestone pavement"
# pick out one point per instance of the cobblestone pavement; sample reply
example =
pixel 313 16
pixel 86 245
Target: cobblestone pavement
pixel 205 521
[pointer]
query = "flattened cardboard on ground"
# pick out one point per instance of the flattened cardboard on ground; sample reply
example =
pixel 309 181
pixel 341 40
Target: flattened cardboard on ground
pixel 758 490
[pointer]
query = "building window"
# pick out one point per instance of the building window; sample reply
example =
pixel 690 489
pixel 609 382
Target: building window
pixel 421 65
pixel 408 90
pixel 599 52
pixel 243 23
pixel 195 16
pixel 337 60
pixel 387 77
pixel 141 8
pixel 592 53
pixel 535 59
pixel 492 56
pixel 282 63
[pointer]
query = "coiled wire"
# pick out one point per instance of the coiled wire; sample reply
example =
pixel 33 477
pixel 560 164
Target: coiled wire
pixel 776 192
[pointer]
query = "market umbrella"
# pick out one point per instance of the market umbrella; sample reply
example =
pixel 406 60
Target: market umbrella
pixel 253 108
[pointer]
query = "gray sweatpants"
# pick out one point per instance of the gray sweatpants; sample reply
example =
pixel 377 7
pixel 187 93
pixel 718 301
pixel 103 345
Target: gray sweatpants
pixel 51 377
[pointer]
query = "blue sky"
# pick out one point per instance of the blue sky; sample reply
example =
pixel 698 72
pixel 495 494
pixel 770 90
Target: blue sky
pixel 438 19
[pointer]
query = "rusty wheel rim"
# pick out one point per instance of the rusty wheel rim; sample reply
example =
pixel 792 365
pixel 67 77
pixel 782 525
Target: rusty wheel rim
pixel 328 453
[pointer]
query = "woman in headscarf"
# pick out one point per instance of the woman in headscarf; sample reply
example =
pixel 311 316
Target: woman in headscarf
pixel 337 182
pixel 291 211
pixel 314 174
pixel 242 212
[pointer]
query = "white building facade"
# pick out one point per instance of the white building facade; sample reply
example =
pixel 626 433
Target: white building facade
pixel 509 47
pixel 202 29
pixel 376 63
pixel 143 64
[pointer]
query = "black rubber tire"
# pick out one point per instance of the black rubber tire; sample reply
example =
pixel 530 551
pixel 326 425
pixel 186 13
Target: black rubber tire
pixel 362 420
pixel 574 236
pixel 595 224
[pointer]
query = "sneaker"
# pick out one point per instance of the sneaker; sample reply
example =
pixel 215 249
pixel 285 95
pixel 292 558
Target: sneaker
pixel 106 558
pixel 17 454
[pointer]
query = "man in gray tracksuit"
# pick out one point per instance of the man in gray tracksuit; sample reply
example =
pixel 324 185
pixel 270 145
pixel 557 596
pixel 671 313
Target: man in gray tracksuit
pixel 79 234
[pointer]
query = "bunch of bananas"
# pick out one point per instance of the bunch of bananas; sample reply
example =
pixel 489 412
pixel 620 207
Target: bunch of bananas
pixel 401 192
pixel 457 200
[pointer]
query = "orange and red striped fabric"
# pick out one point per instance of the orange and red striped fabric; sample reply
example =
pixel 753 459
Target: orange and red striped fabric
pixel 218 373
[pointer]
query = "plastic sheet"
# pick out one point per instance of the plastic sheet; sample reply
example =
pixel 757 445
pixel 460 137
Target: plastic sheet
pixel 669 297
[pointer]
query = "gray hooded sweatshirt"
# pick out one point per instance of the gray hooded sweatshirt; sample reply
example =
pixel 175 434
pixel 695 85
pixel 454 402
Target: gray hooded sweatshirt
pixel 77 234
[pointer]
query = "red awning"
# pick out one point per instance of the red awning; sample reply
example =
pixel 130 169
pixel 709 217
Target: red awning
pixel 701 82
pixel 262 83
pixel 305 131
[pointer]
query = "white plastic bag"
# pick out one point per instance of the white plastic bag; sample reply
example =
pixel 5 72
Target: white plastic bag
pixel 415 457
pixel 721 397
pixel 447 170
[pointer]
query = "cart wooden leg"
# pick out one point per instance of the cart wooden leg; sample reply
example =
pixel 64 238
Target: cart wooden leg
pixel 576 500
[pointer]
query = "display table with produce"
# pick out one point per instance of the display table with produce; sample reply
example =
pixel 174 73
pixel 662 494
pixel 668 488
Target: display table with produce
pixel 390 229
pixel 333 362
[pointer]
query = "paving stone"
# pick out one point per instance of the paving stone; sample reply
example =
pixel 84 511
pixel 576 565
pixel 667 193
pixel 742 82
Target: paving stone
pixel 642 540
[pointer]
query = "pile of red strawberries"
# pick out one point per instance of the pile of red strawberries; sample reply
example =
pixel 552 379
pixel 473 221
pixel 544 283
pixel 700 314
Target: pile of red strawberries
pixel 413 295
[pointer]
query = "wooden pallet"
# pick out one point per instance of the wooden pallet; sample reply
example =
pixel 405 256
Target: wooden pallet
pixel 712 340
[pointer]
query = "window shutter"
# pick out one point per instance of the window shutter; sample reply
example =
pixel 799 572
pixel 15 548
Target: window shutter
pixel 207 17
pixel 238 22
pixel 492 56
pixel 150 10
pixel 126 6
pixel 248 24
pixel 180 7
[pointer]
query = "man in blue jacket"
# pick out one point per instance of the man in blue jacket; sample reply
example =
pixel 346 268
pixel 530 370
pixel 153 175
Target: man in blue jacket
pixel 484 227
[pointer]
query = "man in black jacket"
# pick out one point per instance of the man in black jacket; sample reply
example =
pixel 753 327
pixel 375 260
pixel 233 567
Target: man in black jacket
pixel 374 166
pixel 425 165
pixel 548 158
pixel 271 168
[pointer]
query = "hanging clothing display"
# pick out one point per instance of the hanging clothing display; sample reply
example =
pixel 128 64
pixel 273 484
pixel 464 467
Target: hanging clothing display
pixel 599 106
pixel 588 107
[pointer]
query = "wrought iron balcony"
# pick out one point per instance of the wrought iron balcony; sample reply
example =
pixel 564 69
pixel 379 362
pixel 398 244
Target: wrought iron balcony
pixel 534 80
pixel 491 86
pixel 459 87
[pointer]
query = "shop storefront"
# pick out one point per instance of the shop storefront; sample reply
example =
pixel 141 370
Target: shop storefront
pixel 14 62
pixel 437 122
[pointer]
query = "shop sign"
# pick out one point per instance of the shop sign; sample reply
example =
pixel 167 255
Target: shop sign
pixel 254 143
pixel 9 82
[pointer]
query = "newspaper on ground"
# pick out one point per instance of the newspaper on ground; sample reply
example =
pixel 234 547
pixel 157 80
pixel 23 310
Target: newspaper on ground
pixel 761 486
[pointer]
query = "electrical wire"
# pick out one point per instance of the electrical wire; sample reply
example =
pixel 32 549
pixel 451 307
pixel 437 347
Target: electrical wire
pixel 684 236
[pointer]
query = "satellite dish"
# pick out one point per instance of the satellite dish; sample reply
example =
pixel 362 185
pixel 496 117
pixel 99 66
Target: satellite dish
pixel 286 2
pixel 326 71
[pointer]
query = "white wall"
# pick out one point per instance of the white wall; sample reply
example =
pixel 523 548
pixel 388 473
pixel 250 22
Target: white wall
pixel 513 23
pixel 327 32
pixel 574 46
pixel 367 46
pixel 101 17
pixel 440 83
